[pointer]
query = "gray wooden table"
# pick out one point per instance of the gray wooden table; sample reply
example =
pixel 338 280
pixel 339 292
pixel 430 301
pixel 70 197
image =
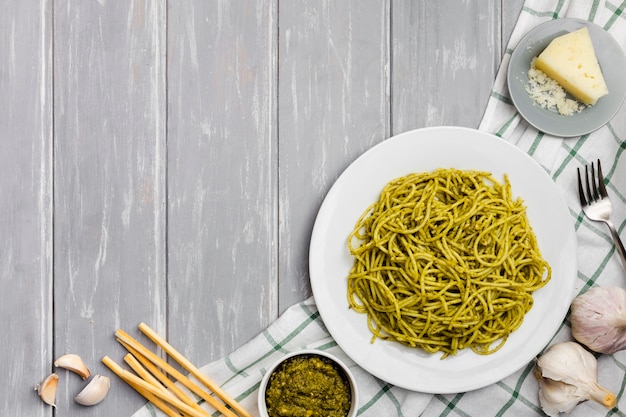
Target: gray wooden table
pixel 164 161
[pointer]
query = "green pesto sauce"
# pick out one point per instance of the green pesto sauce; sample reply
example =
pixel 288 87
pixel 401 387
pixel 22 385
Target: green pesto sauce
pixel 308 386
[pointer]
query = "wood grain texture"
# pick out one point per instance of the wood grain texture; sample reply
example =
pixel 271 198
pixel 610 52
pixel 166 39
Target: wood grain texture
pixel 333 105
pixel 109 184
pixel 222 154
pixel 164 161
pixel 510 13
pixel 445 57
pixel 25 204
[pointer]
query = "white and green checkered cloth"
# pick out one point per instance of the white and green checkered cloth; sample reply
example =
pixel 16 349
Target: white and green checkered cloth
pixel 301 327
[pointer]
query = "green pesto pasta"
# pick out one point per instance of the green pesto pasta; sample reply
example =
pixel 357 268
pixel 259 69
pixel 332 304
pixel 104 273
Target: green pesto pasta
pixel 445 260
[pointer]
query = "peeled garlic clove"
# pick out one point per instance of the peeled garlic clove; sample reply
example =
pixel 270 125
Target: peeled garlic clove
pixel 95 391
pixel 598 319
pixel 568 374
pixel 73 363
pixel 47 390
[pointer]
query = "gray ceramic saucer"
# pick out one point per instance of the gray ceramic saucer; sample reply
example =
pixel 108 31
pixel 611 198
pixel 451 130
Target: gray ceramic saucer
pixel 613 64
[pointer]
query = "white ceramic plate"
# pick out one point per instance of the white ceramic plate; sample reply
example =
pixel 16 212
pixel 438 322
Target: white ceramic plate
pixel 360 185
pixel 613 64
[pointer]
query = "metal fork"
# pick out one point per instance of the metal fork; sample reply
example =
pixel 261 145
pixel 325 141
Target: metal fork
pixel 597 206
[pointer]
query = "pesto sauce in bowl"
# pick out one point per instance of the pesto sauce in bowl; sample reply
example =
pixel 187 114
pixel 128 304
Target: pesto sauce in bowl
pixel 308 385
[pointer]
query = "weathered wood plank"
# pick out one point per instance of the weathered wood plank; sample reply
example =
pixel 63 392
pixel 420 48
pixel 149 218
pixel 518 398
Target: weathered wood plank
pixel 193 145
pixel 445 57
pixel 109 184
pixel 222 152
pixel 333 105
pixel 25 204
pixel 510 13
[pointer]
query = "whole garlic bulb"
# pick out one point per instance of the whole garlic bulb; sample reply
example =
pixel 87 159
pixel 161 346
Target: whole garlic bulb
pixel 598 319
pixel 568 374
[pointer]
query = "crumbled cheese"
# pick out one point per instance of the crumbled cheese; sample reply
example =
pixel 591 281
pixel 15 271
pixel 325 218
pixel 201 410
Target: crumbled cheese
pixel 548 94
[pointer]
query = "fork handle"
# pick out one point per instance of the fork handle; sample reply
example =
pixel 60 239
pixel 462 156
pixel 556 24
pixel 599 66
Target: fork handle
pixel 618 243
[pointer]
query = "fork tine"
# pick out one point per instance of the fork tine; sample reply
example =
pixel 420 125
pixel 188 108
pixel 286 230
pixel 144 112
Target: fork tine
pixel 589 195
pixel 596 196
pixel 581 192
pixel 601 186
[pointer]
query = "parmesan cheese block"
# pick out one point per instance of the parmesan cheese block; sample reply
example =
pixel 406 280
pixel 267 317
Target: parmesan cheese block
pixel 571 61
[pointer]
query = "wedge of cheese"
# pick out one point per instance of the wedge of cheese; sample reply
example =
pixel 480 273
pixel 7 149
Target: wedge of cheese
pixel 571 61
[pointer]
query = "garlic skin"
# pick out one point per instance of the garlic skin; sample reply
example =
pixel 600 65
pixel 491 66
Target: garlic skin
pixel 567 375
pixel 73 363
pixel 598 319
pixel 47 389
pixel 95 391
pixel 558 397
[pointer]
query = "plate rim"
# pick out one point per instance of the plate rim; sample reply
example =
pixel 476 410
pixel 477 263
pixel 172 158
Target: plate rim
pixel 493 375
pixel 516 99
